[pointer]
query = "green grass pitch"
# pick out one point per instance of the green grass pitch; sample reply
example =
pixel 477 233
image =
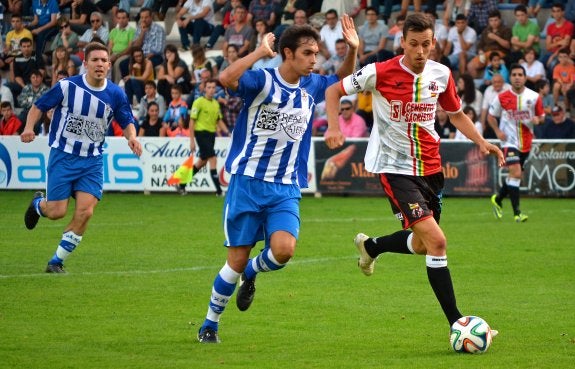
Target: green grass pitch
pixel 137 289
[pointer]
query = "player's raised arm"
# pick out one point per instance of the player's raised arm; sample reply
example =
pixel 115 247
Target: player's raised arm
pixel 230 76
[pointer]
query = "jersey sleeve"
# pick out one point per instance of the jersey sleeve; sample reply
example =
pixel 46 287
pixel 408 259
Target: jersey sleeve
pixel 122 111
pixel 194 111
pixel 361 80
pixel 251 80
pixel 449 100
pixel 52 97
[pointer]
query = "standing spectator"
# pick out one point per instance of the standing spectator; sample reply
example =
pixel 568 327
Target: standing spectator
pixel 44 24
pixel 98 29
pixel 76 164
pixel 330 32
pixel 205 119
pixel 519 109
pixel 13 37
pixel 151 37
pixel 372 38
pixel 141 70
pixel 498 85
pixel 30 93
pixel 196 18
pixel 173 71
pixel 152 124
pixel 119 42
pixel 461 44
pixel 525 34
pixel 351 124
pixel 534 68
pixel 151 96
pixel 240 33
pixel 558 127
pixel 22 66
pixel 563 78
pixel 496 37
pixel 10 124
pixel 479 13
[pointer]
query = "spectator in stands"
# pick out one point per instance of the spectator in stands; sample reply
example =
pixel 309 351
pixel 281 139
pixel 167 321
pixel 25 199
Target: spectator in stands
pixel 10 124
pixel 160 7
pixel 232 56
pixel 444 128
pixel 30 93
pixel 80 15
pixel 227 21
pixel 496 66
pixel 44 24
pixel 333 63
pixel 365 108
pixel 534 6
pixel 559 36
pixel 441 30
pixel 5 93
pixel 67 39
pixel 13 37
pixel 61 61
pixel 290 7
pixel 119 42
pixel 14 7
pixel 525 34
pixel 349 7
pixel 453 8
pixel 461 44
pixel 262 9
pixel 22 66
pixel 497 86
pixel 372 38
pixel 496 37
pixel 470 112
pixel 175 120
pixel 563 78
pixel 350 123
pixel 141 70
pixel 534 69
pixel 151 125
pixel 300 17
pixel 196 18
pixel 479 13
pixel 558 127
pixel 173 71
pixel 151 96
pixel 97 29
pixel 199 63
pixel 127 4
pixel 240 33
pixel 330 32
pixel 469 95
pixel 543 88
pixel 151 37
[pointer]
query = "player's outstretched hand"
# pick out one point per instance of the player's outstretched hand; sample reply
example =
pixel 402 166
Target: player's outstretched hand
pixel 490 148
pixel 268 44
pixel 27 135
pixel 349 33
pixel 334 138
pixel 135 146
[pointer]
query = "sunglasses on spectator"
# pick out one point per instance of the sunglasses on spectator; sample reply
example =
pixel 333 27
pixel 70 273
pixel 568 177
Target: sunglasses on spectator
pixel 345 109
pixel 94 21
pixel 64 26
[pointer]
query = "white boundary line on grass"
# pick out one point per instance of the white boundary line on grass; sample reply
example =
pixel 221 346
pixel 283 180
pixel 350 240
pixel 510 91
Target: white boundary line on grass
pixel 173 270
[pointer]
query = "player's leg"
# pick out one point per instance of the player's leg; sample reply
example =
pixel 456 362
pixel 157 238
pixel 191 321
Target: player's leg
pixel 513 184
pixel 206 142
pixel 214 174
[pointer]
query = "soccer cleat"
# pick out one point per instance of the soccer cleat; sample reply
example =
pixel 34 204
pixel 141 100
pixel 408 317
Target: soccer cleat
pixel 31 216
pixel 208 335
pixel 55 268
pixel 365 262
pixel 245 295
pixel 521 218
pixel 497 209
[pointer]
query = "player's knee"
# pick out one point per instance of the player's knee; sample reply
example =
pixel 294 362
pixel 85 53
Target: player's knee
pixel 283 252
pixel 54 212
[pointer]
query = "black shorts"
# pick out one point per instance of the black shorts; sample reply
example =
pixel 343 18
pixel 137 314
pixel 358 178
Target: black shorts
pixel 514 156
pixel 206 142
pixel 413 198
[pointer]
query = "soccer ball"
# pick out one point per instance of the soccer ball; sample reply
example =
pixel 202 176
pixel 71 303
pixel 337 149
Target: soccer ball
pixel 470 334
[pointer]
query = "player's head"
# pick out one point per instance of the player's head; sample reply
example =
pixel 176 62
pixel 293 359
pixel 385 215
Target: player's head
pixel 517 77
pixel 299 46
pixel 417 41
pixel 96 62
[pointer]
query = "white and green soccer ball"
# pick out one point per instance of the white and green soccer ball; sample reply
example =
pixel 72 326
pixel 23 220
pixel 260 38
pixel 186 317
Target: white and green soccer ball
pixel 470 334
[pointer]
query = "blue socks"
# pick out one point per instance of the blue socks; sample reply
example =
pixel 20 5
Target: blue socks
pixel 264 262
pixel 69 242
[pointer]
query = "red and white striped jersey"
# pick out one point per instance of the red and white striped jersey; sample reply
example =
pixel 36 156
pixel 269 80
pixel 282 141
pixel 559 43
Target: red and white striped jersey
pixel 517 112
pixel 403 139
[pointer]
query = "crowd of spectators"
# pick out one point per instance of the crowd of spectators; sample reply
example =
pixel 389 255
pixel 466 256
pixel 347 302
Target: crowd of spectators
pixel 43 42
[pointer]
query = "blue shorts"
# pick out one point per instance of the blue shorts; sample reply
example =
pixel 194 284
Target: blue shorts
pixel 69 173
pixel 255 209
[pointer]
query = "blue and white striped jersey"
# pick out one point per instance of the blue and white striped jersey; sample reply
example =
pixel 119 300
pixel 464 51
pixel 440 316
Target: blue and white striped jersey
pixel 82 114
pixel 272 136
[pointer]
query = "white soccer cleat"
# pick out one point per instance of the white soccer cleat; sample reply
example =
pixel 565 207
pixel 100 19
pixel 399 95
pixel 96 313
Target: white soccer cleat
pixel 365 262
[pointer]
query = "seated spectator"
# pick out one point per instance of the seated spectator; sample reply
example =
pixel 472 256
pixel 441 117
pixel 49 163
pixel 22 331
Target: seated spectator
pixel 288 9
pixel 196 18
pixel 160 7
pixel 152 124
pixel 30 93
pixel 232 56
pixel 81 11
pixel 44 24
pixel 330 32
pixel 470 112
pixel 534 69
pixel 119 42
pixel 497 86
pixel 14 7
pixel 151 96
pixel 468 93
pixel 65 38
pixel 543 89
pixel 173 71
pixel 227 21
pixel 444 128
pixel 175 120
pixel 479 14
pixel 98 29
pixel 61 61
pixel 10 124
pixel 334 62
pixel 525 34
pixel 22 67
pixel 558 127
pixel 559 35
pixel 239 33
pixel 365 108
pixel 5 93
pixel 461 44
pixel 496 66
pixel 262 9
pixel 372 37
pixel 199 63
pixel 350 123
pixel 141 70
pixel 563 78
pixel 13 37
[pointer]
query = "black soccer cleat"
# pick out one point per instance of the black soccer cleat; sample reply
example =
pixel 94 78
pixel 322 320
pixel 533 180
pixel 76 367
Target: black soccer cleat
pixel 31 216
pixel 208 335
pixel 55 268
pixel 245 295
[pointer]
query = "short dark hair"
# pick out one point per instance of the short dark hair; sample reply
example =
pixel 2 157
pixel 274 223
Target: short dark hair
pixel 517 66
pixel 331 11
pixel 152 103
pixel 418 22
pixel 494 13
pixel 460 17
pixel 540 84
pixel 372 9
pixel 294 36
pixel 494 54
pixel 25 40
pixel 123 11
pixel 520 8
pixel 93 46
pixel 5 104
pixel 176 87
pixel 150 83
pixel 36 73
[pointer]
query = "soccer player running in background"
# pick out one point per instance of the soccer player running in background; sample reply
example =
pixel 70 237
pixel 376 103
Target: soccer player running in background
pixel 403 150
pixel 268 160
pixel 518 109
pixel 205 119
pixel 84 106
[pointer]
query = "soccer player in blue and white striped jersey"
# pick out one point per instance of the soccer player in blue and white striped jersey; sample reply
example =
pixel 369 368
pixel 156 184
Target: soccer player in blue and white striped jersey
pixel 268 160
pixel 84 106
